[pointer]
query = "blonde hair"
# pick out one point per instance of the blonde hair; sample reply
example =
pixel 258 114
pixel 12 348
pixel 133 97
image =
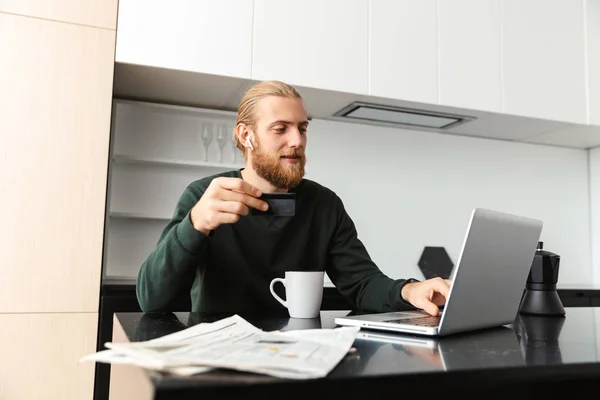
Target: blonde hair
pixel 247 107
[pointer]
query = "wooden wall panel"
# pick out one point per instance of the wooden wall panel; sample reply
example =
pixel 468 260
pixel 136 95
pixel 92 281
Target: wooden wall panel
pixel 41 353
pixel 99 13
pixel 56 100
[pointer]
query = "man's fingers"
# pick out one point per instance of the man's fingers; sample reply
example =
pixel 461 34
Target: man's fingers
pixel 431 308
pixel 229 218
pixel 442 287
pixel 436 291
pixel 232 207
pixel 250 201
pixel 239 185
pixel 236 189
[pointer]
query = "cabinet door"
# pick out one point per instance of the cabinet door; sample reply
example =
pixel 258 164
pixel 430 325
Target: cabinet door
pixel 102 14
pixel 208 36
pixel 320 44
pixel 403 61
pixel 469 51
pixel 593 59
pixel 543 59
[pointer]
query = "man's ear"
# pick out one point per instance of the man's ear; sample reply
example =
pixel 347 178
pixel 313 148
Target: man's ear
pixel 244 135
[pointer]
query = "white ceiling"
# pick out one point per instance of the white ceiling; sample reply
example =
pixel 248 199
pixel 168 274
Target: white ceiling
pixel 187 88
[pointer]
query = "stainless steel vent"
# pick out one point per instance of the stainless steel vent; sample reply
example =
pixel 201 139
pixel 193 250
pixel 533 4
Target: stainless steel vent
pixel 398 116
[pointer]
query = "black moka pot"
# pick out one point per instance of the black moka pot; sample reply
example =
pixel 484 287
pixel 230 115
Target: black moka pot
pixel 540 297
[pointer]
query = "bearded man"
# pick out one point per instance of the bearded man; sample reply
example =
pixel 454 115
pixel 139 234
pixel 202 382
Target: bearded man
pixel 226 259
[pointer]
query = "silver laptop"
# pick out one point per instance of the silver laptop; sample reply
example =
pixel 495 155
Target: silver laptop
pixel 487 281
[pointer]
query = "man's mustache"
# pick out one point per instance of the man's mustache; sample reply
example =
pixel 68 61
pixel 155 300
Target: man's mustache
pixel 293 153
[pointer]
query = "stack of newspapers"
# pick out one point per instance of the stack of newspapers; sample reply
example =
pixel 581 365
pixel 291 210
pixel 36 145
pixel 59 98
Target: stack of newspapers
pixel 233 343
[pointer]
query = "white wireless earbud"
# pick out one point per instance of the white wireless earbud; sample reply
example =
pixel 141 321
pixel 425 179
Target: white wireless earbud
pixel 249 143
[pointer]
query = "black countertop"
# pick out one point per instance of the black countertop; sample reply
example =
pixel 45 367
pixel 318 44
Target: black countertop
pixel 534 356
pixel 571 295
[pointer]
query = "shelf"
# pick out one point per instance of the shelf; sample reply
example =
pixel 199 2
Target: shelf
pixel 122 159
pixel 128 215
pixel 224 115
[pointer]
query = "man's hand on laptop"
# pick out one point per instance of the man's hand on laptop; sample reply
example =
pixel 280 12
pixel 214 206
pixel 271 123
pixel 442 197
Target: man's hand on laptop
pixel 427 295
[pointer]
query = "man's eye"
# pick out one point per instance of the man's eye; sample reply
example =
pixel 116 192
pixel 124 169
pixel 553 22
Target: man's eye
pixel 303 131
pixel 279 129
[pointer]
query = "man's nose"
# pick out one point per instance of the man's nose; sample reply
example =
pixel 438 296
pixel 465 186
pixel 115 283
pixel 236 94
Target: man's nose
pixel 295 138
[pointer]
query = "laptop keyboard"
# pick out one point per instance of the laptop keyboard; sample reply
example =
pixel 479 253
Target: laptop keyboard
pixel 421 321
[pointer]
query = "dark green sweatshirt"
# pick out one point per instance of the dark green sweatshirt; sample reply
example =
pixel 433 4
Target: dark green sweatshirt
pixel 230 271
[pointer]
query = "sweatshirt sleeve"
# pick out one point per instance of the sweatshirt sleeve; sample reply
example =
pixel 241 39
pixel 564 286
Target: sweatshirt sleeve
pixel 170 268
pixel 355 275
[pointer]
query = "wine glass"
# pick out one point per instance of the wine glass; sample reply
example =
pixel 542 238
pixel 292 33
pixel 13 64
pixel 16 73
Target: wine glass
pixel 234 149
pixel 206 139
pixel 221 139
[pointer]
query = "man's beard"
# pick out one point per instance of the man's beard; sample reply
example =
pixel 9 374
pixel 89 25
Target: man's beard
pixel 269 167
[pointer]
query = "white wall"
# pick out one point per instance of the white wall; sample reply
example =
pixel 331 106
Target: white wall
pixel 404 189
pixel 409 189
pixel 594 160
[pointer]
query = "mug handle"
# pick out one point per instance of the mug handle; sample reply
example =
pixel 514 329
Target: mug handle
pixel 279 299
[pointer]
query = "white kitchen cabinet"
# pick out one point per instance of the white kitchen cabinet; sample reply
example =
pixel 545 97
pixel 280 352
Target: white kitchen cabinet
pixel 469 54
pixel 592 12
pixel 535 59
pixel 207 36
pixel 543 59
pixel 313 43
pixel 403 61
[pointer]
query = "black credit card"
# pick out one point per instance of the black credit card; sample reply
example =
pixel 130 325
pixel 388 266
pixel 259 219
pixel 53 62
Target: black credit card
pixel 280 204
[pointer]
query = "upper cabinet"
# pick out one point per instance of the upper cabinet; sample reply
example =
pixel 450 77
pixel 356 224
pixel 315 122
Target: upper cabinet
pixel 543 59
pixel 470 73
pixel 313 43
pixel 403 55
pixel 592 12
pixel 535 58
pixel 213 37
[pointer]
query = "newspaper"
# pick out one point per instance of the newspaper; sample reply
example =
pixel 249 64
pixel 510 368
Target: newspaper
pixel 234 343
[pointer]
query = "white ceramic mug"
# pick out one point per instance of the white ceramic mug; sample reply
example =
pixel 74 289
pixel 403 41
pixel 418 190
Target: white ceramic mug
pixel 303 291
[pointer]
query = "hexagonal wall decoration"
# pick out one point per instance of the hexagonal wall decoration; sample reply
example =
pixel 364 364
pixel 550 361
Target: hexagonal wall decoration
pixel 435 262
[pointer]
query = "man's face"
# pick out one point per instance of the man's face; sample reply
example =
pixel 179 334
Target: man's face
pixel 279 141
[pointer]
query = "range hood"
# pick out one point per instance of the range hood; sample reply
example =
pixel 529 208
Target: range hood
pixel 399 116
